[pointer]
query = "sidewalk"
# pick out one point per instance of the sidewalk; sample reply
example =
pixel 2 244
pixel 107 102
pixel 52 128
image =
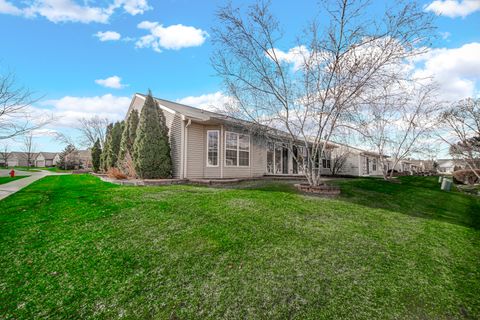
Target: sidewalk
pixel 12 187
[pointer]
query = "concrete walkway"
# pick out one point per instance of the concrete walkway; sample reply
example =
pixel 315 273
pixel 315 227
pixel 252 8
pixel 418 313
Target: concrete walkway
pixel 7 189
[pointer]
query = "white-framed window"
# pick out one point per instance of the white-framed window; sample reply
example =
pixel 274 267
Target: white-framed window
pixel 374 164
pixel 237 149
pixel 326 162
pixel 212 148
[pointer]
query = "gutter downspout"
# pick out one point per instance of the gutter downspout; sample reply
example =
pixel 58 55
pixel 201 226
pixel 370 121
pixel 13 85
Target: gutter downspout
pixel 182 147
pixel 221 146
pixel 185 153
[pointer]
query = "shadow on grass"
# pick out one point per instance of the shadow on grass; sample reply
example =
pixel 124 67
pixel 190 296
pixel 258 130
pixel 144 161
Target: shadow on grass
pixel 414 196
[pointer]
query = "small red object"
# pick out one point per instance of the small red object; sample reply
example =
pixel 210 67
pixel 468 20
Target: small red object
pixel 12 173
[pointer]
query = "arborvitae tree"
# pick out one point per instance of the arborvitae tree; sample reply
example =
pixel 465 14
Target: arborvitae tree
pixel 128 135
pixel 106 145
pixel 96 155
pixel 113 145
pixel 151 149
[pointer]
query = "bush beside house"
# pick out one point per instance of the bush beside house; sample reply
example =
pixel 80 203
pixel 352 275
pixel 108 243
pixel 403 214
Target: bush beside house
pixel 96 155
pixel 151 149
pixel 137 147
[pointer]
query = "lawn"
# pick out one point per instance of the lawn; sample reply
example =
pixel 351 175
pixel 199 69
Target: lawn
pixel 10 179
pixel 75 247
pixel 56 169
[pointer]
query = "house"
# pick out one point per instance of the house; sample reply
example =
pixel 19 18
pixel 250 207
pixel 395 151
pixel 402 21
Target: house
pixel 3 161
pixel 449 165
pixel 357 162
pixel 47 159
pixel 208 145
pixel 81 159
pixel 19 159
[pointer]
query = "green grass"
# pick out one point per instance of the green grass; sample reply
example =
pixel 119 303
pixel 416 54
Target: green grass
pixel 56 169
pixel 74 247
pixel 8 179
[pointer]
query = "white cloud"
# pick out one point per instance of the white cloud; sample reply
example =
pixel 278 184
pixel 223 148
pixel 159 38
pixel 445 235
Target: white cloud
pixel 107 35
pixel 453 8
pixel 114 82
pixel 8 8
pixel 134 7
pixel 215 102
pixel 44 132
pixel 295 55
pixel 68 110
pixel 445 35
pixel 173 37
pixel 456 70
pixel 70 11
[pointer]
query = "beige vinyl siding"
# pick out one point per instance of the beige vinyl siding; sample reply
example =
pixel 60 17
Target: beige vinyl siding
pixel 350 166
pixel 197 155
pixel 174 124
pixel 137 104
pixel 195 150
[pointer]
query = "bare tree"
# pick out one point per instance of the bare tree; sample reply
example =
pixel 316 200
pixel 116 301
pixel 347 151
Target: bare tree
pixel 338 160
pixel 92 129
pixel 333 68
pixel 15 114
pixel 397 121
pixel 462 125
pixel 5 153
pixel 29 148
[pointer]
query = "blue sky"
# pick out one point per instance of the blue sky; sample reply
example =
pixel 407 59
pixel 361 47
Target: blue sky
pixel 55 49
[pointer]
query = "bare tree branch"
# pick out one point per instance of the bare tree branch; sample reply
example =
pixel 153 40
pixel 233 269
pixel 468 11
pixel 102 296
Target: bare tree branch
pixel 333 69
pixel 92 129
pixel 16 117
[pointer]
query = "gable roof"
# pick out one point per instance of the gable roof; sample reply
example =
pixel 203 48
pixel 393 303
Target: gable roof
pixel 48 155
pixel 205 115
pixel 196 113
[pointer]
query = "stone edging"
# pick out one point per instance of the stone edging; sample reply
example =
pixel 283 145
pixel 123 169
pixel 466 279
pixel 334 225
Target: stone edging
pixel 322 189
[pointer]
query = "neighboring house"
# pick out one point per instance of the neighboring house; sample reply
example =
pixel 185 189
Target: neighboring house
pixel 3 161
pixel 40 159
pixel 82 159
pixel 209 145
pixel 449 165
pixel 17 159
pixel 358 162
pixel 47 159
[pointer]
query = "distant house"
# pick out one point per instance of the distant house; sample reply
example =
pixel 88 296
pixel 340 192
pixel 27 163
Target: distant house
pixel 81 159
pixel 47 159
pixel 449 165
pixel 17 159
pixel 357 162
pixel 3 161
pixel 40 159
